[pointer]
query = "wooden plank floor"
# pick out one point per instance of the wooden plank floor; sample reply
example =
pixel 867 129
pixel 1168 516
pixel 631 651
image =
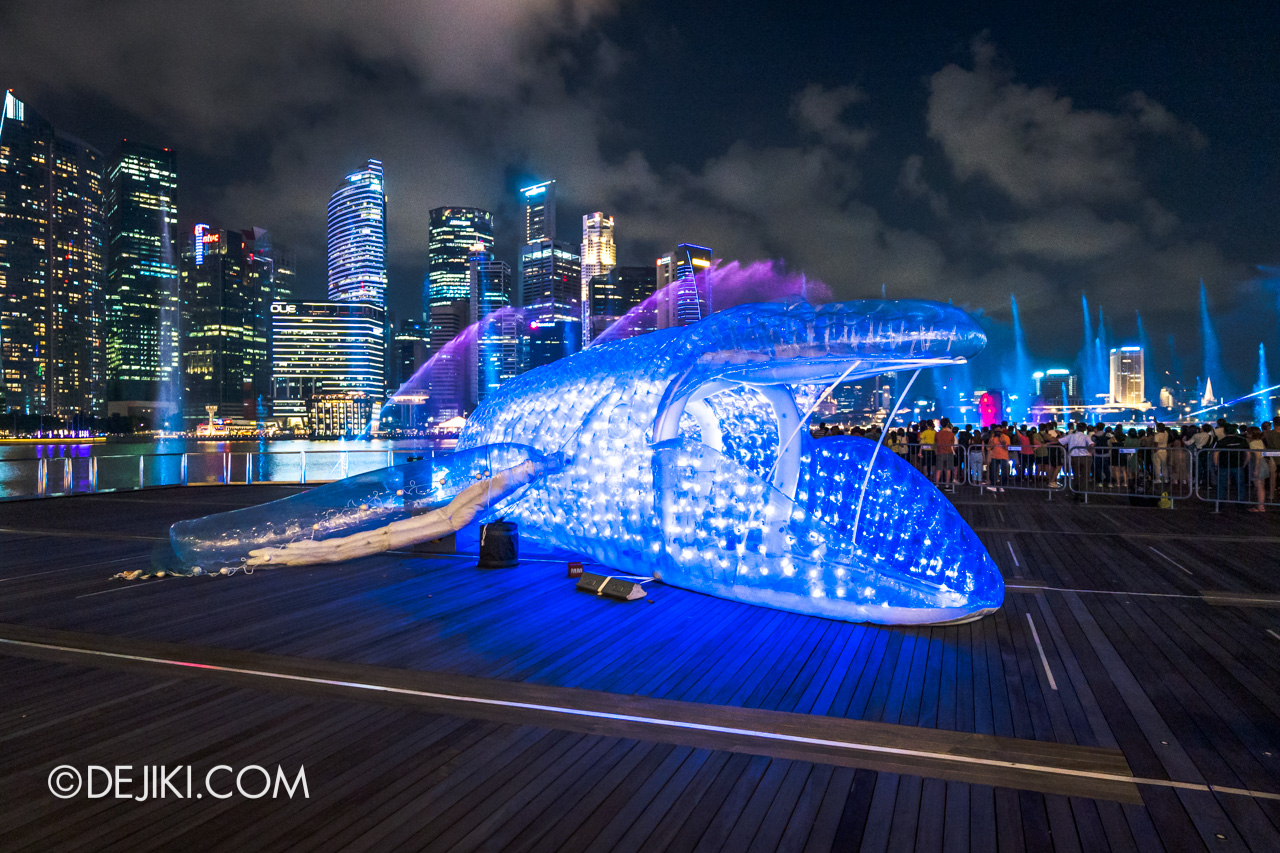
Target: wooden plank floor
pixel 1142 634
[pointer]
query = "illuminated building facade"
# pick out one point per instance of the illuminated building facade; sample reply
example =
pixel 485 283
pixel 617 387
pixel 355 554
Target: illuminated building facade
pixel 1127 377
pixel 409 352
pixel 143 305
pixel 324 349
pixel 229 281
pixel 1058 387
pixel 455 232
pixel 497 330
pixel 684 286
pixel 611 295
pixel 339 415
pixel 549 281
pixel 551 293
pixel 52 267
pixel 599 255
pixel 538 210
pixel 358 238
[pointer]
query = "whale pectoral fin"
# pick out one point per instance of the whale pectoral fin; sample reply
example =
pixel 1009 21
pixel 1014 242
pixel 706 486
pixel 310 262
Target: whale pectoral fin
pixel 493 476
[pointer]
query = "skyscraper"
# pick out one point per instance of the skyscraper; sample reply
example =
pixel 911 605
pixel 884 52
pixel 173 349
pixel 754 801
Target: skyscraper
pixel 549 281
pixel 229 281
pixel 551 293
pixel 358 238
pixel 455 232
pixel 611 295
pixel 497 331
pixel 684 286
pixel 143 304
pixel 324 349
pixel 599 255
pixel 52 267
pixel 1058 387
pixel 538 204
pixel 1127 377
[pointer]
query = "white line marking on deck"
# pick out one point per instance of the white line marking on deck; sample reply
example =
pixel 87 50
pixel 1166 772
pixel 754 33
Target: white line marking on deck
pixel 659 721
pixel 1011 554
pixel 118 588
pixel 1044 660
pixel 1099 591
pixel 1273 633
pixel 1171 560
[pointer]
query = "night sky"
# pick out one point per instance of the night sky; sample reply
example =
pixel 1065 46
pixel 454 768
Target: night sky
pixel 1122 151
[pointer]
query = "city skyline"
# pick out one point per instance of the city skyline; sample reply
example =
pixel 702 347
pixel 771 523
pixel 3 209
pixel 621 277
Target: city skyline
pixel 974 167
pixel 958 154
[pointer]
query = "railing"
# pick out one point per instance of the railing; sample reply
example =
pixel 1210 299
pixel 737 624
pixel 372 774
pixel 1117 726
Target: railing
pixel 1144 474
pixel 1151 472
pixel 1237 476
pixel 74 475
pixel 1036 469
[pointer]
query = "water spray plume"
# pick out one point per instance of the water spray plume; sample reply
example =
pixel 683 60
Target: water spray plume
pixel 1021 362
pixel 732 284
pixel 1262 403
pixel 1087 350
pixel 1212 349
pixel 1147 361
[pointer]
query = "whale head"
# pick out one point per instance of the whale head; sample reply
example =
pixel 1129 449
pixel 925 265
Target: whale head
pixel 686 457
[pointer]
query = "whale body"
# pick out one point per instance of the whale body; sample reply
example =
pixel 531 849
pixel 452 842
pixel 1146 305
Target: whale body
pixel 682 454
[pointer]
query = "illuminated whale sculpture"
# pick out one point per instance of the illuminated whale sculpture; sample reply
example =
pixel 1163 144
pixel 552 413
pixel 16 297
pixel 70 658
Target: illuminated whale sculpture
pixel 686 459
pixel 681 454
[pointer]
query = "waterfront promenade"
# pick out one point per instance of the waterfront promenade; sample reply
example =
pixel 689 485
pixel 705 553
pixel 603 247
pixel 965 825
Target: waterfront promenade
pixel 1127 696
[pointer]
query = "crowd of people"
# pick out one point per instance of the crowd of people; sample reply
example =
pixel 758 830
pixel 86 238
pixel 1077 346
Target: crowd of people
pixel 1223 461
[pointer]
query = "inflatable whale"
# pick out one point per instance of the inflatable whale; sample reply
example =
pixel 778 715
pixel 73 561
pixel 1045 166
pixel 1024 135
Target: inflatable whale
pixel 682 454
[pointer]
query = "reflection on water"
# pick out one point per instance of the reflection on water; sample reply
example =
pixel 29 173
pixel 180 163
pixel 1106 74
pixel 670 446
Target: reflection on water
pixel 70 467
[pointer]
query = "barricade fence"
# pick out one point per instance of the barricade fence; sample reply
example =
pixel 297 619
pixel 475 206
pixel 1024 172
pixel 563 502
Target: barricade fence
pixel 1217 476
pixel 1237 476
pixel 1153 472
pixel 1144 474
pixel 1016 467
pixel 74 475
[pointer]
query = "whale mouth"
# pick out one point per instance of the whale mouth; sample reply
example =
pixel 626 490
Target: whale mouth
pixel 735 418
pixel 728 532
pixel 776 354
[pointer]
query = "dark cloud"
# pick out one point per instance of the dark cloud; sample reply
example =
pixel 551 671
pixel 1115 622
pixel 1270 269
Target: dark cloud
pixel 996 187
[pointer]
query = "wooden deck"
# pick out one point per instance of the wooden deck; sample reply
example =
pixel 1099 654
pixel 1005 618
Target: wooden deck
pixel 1126 697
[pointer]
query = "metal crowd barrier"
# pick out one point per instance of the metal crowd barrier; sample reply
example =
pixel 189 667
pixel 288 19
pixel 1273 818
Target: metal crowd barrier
pixel 74 475
pixel 1133 472
pixel 1034 471
pixel 1237 476
pixel 944 469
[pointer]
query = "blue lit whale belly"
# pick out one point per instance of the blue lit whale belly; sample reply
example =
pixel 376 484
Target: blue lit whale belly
pixel 682 456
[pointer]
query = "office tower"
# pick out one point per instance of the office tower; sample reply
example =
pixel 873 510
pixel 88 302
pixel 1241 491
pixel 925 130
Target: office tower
pixel 538 206
pixel 325 350
pixel 229 281
pixel 549 282
pixel 497 330
pixel 1058 387
pixel 143 303
pixel 275 265
pixel 684 286
pixel 358 238
pixel 612 295
pixel 52 267
pixel 599 255
pixel 455 232
pixel 551 293
pixel 1127 377
pixel 409 352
